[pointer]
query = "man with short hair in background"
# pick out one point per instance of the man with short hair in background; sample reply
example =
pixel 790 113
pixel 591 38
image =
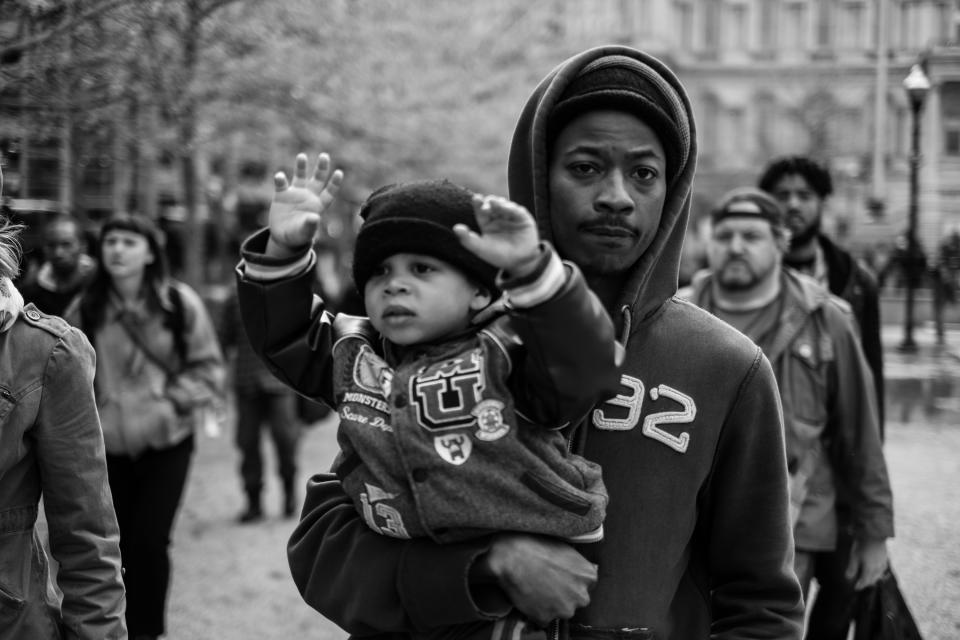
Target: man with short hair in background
pixel 66 269
pixel 803 186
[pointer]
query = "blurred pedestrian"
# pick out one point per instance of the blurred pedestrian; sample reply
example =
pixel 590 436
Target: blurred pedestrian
pixel 66 268
pixel 840 493
pixel 51 447
pixel 159 367
pixel 803 186
pixel 261 400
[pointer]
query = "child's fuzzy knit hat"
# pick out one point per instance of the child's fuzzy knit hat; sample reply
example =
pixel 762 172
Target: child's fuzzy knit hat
pixel 418 217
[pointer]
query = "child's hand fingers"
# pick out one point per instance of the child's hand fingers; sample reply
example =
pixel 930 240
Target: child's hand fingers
pixel 280 182
pixel 507 208
pixel 472 242
pixel 300 171
pixel 467 236
pixel 322 172
pixel 333 186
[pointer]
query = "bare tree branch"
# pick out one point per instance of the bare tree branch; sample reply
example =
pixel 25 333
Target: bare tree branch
pixel 33 41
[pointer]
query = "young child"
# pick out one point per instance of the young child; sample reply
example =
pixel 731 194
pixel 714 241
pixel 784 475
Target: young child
pixel 450 425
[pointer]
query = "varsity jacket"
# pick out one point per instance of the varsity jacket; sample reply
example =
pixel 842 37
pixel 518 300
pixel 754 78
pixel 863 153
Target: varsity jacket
pixel 697 539
pixel 444 440
pixel 830 413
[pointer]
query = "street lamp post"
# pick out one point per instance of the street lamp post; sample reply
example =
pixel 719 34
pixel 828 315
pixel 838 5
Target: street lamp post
pixel 917 86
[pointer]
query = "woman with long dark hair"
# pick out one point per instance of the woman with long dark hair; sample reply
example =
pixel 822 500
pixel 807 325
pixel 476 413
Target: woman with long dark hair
pixel 159 366
pixel 51 447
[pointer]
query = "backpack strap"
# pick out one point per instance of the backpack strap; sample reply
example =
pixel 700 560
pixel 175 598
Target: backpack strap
pixel 178 321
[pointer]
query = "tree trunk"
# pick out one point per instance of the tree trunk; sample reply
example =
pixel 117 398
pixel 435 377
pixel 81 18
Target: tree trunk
pixel 147 165
pixel 194 248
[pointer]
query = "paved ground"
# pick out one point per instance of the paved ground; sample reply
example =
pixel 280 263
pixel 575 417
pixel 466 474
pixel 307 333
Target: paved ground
pixel 923 454
pixel 233 582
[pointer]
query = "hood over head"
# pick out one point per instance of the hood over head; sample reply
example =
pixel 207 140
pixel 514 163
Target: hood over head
pixel 623 79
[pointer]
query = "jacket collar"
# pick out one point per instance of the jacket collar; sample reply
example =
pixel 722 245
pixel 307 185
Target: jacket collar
pixel 802 296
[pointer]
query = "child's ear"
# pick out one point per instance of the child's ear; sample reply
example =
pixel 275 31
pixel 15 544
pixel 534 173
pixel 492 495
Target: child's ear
pixel 481 299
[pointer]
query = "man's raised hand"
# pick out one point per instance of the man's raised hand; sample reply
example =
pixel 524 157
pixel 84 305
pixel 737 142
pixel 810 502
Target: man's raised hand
pixel 296 207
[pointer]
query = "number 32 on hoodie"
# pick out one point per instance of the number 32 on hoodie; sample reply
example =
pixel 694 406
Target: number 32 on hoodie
pixel 632 401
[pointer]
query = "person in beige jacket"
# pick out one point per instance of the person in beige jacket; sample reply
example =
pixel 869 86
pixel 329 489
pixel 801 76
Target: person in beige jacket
pixel 159 368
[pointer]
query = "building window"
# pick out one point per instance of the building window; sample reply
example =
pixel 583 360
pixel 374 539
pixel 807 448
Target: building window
pixel 851 31
pixel 768 24
pixel 909 23
pixel 795 26
pixel 685 24
pixel 635 16
pixel 824 24
pixel 738 29
pixel 901 131
pixel 735 133
pixel 944 23
pixel 711 25
pixel 708 133
pixel 950 101
pixel 766 125
pixel 951 138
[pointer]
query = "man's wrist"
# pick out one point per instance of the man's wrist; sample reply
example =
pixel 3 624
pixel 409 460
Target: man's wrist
pixel 484 586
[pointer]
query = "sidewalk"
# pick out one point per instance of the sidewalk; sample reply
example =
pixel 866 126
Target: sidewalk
pixel 925 337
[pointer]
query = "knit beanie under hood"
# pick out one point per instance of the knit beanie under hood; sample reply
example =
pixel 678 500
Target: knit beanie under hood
pixel 653 278
pixel 418 217
pixel 622 83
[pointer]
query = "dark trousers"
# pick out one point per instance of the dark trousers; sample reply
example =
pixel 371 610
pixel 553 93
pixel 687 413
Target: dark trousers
pixel 278 411
pixel 833 607
pixel 146 496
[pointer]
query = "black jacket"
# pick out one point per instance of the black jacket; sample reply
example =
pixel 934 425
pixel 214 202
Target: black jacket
pixel 858 286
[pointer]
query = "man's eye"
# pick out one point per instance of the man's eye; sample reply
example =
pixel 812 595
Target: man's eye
pixel 582 169
pixel 645 174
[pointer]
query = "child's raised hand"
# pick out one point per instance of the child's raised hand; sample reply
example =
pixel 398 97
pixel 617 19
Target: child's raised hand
pixel 508 237
pixel 296 207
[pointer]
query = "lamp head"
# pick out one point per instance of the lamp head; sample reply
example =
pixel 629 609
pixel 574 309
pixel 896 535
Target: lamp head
pixel 917 85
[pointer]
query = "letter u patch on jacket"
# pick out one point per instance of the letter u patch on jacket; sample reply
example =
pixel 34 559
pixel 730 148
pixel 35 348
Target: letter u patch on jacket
pixel 445 394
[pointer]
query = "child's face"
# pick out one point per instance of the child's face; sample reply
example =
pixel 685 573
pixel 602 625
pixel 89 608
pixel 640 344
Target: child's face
pixel 413 298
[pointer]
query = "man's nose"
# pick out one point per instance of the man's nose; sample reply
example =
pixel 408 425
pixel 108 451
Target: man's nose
pixel 735 245
pixel 614 196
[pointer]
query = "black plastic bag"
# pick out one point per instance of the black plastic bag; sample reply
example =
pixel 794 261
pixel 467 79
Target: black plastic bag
pixel 882 613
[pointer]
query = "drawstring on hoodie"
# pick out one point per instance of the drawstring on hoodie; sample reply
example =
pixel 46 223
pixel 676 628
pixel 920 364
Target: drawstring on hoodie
pixel 627 324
